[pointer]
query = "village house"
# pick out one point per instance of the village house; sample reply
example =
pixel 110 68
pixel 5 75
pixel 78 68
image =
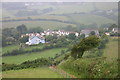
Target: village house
pixel 88 31
pixel 59 33
pixel 107 33
pixel 35 38
pixel 115 30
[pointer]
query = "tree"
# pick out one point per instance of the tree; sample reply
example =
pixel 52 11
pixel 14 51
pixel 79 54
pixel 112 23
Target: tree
pixel 21 29
pixel 24 39
pixel 112 26
pixel 10 40
pixel 82 36
pixel 92 33
pixel 84 45
pixel 71 36
pixel 51 38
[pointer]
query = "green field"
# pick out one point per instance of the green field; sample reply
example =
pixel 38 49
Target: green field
pixel 40 46
pixel 31 24
pixel 31 73
pixel 9 48
pixel 14 47
pixel 90 19
pixel 56 17
pixel 111 50
pixel 61 9
pixel 65 9
pixel 90 67
pixel 31 56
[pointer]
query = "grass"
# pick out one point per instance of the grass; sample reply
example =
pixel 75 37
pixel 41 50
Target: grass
pixel 24 57
pixel 33 47
pixel 63 18
pixel 106 5
pixel 90 19
pixel 60 58
pixel 90 67
pixel 31 73
pixel 14 47
pixel 111 50
pixel 72 8
pixel 31 24
pixel 6 13
pixel 10 48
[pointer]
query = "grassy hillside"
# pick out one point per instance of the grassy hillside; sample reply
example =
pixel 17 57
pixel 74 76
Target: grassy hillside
pixel 30 24
pixel 105 66
pixel 31 73
pixel 73 8
pixel 106 5
pixel 111 50
pixel 62 9
pixel 90 19
pixel 90 68
pixel 56 17
pixel 24 57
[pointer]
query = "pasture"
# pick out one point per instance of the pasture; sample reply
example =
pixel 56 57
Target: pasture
pixel 31 56
pixel 31 24
pixel 111 50
pixel 9 48
pixel 56 17
pixel 28 48
pixel 90 19
pixel 14 47
pixel 31 73
pixel 73 8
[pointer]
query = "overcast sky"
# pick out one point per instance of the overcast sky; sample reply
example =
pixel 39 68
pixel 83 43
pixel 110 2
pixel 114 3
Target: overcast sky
pixel 60 0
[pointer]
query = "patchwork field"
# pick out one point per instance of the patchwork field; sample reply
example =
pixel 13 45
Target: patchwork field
pixel 31 73
pixel 31 56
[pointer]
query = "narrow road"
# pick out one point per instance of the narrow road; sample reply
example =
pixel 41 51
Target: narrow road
pixel 62 72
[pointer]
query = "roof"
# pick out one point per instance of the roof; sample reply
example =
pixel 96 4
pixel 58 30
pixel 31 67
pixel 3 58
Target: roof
pixel 87 31
pixel 40 37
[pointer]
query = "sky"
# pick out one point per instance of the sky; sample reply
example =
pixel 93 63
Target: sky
pixel 59 0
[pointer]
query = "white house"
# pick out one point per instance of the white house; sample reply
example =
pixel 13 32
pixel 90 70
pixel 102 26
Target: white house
pixel 115 30
pixel 107 33
pixel 35 40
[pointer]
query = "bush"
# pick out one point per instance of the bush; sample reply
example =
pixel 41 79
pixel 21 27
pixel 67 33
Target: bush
pixel 91 68
pixel 27 64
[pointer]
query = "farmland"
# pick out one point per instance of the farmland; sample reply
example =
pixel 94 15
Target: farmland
pixel 80 13
pixel 31 73
pixel 45 16
pixel 91 57
pixel 89 19
pixel 14 47
pixel 31 24
pixel 107 62
pixel 9 48
pixel 25 57
pixel 111 50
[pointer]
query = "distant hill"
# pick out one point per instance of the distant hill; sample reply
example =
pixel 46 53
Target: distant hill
pixel 79 13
